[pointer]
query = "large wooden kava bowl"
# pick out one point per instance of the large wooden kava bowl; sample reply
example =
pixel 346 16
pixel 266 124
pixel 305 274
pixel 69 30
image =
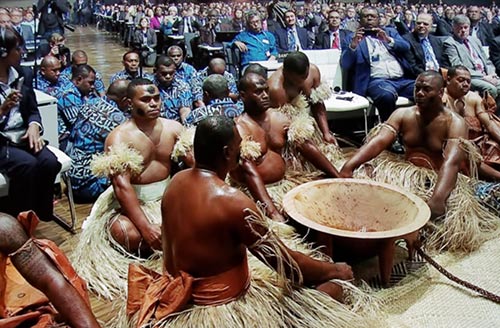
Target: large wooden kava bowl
pixel 358 217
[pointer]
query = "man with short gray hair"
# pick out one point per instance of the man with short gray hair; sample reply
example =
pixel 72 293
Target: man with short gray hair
pixel 464 49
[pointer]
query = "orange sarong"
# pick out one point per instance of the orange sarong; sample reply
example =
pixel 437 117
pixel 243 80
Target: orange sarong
pixel 155 296
pixel 19 301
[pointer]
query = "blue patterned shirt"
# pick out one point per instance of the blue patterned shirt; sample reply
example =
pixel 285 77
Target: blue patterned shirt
pixel 224 106
pixel 98 85
pixel 173 98
pixel 187 73
pixel 124 75
pixel 52 89
pixel 203 74
pixel 260 46
pixel 96 119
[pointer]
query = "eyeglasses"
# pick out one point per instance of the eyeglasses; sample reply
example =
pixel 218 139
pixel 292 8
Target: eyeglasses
pixel 423 23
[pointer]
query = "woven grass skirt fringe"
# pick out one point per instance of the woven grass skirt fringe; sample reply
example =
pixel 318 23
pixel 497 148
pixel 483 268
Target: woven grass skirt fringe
pixel 467 223
pixel 97 258
pixel 268 304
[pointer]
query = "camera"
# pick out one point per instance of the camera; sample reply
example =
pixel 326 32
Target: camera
pixel 371 31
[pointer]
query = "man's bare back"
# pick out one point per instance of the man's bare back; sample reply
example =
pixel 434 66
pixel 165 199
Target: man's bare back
pixel 283 93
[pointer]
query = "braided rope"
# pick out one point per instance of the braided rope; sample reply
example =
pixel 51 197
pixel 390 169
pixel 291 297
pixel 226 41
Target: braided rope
pixel 489 295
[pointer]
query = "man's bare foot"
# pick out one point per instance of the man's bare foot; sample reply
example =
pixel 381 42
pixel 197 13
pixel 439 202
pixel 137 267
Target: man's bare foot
pixel 332 289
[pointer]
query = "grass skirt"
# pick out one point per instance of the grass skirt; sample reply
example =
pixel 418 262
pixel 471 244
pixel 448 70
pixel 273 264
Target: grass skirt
pixel 268 304
pixel 467 223
pixel 97 258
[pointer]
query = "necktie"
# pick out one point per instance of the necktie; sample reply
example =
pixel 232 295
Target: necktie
pixel 291 40
pixel 477 61
pixel 335 41
pixel 431 62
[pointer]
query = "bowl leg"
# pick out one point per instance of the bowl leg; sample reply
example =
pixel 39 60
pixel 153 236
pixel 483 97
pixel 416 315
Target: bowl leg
pixel 325 241
pixel 412 240
pixel 385 261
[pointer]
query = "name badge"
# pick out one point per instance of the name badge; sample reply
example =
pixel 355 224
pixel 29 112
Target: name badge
pixel 375 58
pixel 268 54
pixel 266 41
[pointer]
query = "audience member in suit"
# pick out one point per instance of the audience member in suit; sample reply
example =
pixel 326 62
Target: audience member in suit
pixel 478 28
pixel 464 49
pixel 292 38
pixel 268 24
pixel 426 50
pixel 375 58
pixel 24 159
pixel 144 42
pixel 16 17
pixel 495 53
pixel 188 23
pixel 334 37
pixel 443 25
pixel 407 25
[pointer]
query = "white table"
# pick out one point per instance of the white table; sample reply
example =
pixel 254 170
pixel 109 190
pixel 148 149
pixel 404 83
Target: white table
pixel 343 104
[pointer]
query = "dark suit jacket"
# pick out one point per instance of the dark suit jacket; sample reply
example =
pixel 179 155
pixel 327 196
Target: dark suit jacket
pixel 356 63
pixel 323 40
pixel 28 107
pixel 137 39
pixel 403 28
pixel 178 26
pixel 416 58
pixel 484 33
pixel 282 39
pixel 495 53
pixel 443 28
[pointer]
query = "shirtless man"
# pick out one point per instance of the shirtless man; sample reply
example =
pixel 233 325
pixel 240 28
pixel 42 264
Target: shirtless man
pixel 483 129
pixel 38 270
pixel 424 129
pixel 208 232
pixel 295 77
pixel 268 127
pixel 154 138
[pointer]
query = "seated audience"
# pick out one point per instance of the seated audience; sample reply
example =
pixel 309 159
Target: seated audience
pixel 144 42
pixel 175 94
pixel 444 24
pixel 185 72
pixel 254 43
pixel 30 167
pixel 426 50
pixel 375 61
pixel 73 97
pixel 216 96
pixel 292 37
pixel 334 37
pixel 95 120
pixel 131 68
pixel 479 28
pixel 79 57
pixel 215 66
pixel 466 50
pixel 49 78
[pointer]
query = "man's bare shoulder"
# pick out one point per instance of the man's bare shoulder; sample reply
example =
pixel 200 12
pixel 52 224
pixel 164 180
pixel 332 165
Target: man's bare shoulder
pixel 458 126
pixel 401 116
pixel 172 127
pixel 314 74
pixel 277 116
pixel 122 133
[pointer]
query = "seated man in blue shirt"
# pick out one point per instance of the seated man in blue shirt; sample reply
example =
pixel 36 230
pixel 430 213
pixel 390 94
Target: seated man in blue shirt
pixel 254 43
pixel 130 62
pixel 79 57
pixel 217 101
pixel 49 78
pixel 176 96
pixel 77 93
pixel 96 119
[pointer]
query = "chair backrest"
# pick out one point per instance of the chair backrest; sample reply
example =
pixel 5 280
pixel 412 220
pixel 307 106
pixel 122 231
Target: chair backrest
pixel 327 61
pixel 233 59
pixel 47 105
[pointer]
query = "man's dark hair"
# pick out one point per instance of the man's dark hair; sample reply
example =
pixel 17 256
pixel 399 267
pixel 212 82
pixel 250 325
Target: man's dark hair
pixel 128 53
pixel 78 54
pixel 11 39
pixel 212 135
pixel 118 89
pixel 434 75
pixel 361 12
pixel 164 61
pixel 216 86
pixel 136 83
pixel 452 72
pixel 296 62
pixel 257 69
pixel 82 71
